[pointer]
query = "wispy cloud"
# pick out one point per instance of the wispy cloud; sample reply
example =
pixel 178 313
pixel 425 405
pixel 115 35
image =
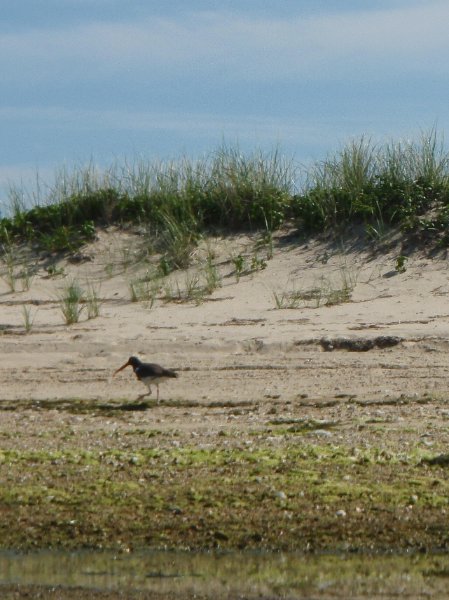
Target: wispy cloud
pixel 233 45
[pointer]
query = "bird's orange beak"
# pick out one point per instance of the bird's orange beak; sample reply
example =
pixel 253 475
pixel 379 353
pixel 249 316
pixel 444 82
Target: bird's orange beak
pixel 121 368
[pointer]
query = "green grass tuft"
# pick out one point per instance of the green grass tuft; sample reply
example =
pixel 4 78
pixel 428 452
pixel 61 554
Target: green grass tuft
pixel 70 302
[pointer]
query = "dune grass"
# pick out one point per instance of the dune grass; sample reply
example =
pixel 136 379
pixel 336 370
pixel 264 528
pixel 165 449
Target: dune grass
pixel 395 184
pixel 70 302
pixel 398 184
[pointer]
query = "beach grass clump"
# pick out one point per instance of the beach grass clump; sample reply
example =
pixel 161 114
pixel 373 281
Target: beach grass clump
pixel 248 191
pixel 144 289
pixel 28 318
pixel 16 266
pixel 70 302
pixel 325 292
pixel 394 184
pixel 196 285
pixel 9 274
pixel 176 242
pixel 211 275
pixel 189 290
pixel 93 301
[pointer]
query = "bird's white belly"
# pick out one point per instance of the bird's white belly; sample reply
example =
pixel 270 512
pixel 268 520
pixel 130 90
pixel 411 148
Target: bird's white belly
pixel 152 380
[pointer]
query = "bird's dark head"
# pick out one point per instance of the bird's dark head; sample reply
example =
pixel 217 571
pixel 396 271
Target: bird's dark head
pixel 133 362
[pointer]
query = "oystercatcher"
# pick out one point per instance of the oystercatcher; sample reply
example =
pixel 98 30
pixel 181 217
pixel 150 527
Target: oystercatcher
pixel 148 373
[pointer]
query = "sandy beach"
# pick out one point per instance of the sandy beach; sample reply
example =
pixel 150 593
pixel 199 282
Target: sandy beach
pixel 234 345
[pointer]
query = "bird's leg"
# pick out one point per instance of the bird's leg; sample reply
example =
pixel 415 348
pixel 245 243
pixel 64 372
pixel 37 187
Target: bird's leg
pixel 143 395
pixel 157 388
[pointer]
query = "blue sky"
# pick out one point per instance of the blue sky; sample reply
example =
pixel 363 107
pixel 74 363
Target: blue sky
pixel 105 80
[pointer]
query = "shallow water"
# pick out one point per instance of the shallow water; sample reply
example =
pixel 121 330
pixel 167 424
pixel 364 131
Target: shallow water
pixel 185 573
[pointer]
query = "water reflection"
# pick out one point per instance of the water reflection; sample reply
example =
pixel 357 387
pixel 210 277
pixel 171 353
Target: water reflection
pixel 224 574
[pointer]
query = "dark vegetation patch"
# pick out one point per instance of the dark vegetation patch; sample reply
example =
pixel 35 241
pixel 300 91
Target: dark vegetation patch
pixel 298 497
pixel 441 460
pixel 276 485
pixel 360 344
pixel 96 408
pixel 303 425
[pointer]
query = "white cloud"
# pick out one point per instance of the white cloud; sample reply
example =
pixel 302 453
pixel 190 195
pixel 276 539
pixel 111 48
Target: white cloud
pixel 234 46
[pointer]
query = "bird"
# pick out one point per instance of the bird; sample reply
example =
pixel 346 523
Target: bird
pixel 147 373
